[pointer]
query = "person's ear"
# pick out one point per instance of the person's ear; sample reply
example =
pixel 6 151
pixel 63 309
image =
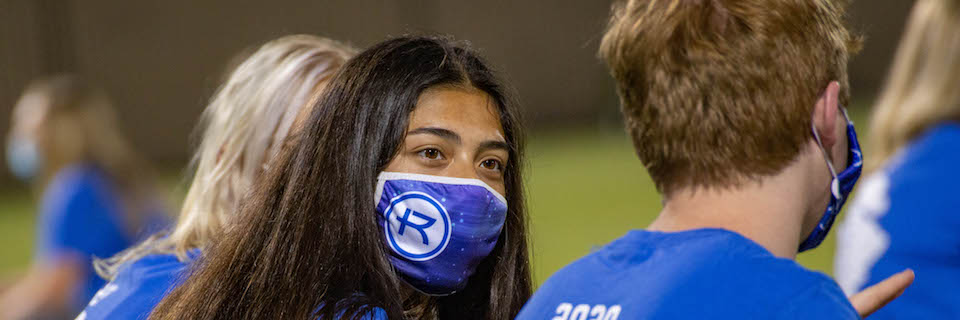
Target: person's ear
pixel 825 115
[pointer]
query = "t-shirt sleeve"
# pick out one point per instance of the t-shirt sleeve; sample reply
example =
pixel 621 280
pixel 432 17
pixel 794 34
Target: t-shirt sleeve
pixel 138 287
pixel 78 218
pixel 820 301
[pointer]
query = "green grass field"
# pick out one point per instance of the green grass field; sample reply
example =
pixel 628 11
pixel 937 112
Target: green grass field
pixel 16 231
pixel 585 188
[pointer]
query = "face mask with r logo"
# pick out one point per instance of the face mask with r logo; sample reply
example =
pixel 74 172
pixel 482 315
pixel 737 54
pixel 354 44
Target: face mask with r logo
pixel 438 229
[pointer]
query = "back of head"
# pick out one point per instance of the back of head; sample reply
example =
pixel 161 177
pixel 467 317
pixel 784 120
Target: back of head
pixel 245 123
pixel 717 92
pixel 307 243
pixel 921 89
pixel 242 129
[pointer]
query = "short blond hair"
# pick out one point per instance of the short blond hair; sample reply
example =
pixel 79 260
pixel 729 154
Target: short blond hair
pixel 922 88
pixel 243 127
pixel 714 92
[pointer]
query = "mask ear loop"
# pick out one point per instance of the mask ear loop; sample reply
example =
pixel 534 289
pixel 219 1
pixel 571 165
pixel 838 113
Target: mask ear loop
pixel 846 116
pixel 834 185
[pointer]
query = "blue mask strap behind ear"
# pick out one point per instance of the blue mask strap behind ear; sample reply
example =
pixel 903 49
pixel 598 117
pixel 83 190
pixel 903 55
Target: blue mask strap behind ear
pixel 840 185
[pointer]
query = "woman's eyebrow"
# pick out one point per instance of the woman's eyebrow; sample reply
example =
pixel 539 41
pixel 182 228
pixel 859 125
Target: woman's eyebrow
pixel 493 145
pixel 440 132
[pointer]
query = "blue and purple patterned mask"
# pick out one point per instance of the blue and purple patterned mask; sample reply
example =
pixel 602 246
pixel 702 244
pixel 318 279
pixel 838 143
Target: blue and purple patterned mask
pixel 438 229
pixel 840 187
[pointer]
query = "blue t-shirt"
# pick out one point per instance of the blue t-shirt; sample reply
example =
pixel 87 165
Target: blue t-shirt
pixel 907 215
pixel 697 274
pixel 138 287
pixel 81 217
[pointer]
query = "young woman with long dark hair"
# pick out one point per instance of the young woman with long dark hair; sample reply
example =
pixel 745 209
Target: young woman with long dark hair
pixel 402 198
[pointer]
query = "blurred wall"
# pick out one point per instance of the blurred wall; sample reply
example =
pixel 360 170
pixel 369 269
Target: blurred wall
pixel 161 60
pixel 881 22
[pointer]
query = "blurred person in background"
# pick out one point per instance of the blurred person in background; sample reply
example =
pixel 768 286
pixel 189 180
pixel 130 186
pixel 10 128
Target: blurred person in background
pixel 392 204
pixel 735 109
pixel 907 212
pixel 97 196
pixel 243 128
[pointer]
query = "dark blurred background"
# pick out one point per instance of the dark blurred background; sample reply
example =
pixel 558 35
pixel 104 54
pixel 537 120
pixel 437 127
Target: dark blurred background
pixel 161 60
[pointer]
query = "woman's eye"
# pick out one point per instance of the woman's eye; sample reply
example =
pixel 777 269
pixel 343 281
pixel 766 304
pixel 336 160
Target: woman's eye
pixel 491 164
pixel 432 154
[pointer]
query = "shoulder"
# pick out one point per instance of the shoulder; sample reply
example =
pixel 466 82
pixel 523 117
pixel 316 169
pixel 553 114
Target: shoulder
pixel 795 292
pixel 76 204
pixel 159 269
pixel 916 188
pixel 77 177
pixel 75 185
pixel 820 299
pixel 601 280
pixel 137 288
pixel 647 258
pixel 775 288
pixel 570 284
pixel 938 137
pixel 935 152
pixel 617 256
pixel 156 265
pixel 786 276
pixel 676 275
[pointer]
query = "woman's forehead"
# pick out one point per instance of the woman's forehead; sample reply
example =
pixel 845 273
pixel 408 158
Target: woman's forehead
pixel 457 109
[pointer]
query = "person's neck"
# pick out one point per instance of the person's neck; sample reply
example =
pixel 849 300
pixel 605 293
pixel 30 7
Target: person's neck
pixel 770 211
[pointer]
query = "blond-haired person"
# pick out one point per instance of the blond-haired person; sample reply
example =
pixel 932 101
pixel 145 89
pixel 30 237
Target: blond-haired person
pixel 244 127
pixel 96 195
pixel 734 107
pixel 905 212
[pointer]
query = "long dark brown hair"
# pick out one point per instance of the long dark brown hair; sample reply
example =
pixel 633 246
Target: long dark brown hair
pixel 307 245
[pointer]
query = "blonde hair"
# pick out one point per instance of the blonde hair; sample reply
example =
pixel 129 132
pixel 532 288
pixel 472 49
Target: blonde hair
pixel 243 127
pixel 922 87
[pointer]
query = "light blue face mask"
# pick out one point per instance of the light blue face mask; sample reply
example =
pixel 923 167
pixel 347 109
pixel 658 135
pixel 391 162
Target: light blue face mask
pixel 23 158
pixel 840 185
